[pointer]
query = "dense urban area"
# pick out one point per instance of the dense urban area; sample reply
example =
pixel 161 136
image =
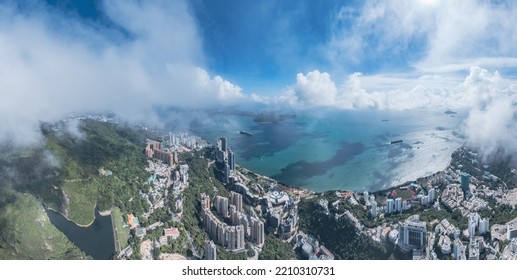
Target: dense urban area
pixel 463 212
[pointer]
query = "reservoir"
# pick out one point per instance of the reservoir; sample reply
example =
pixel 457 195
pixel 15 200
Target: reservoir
pixel 95 240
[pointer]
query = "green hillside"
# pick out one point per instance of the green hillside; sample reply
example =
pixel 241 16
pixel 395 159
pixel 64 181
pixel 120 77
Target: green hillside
pixel 63 173
pixel 26 231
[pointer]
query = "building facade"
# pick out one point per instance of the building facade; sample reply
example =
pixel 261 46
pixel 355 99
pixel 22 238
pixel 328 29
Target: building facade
pixel 210 250
pixel 412 234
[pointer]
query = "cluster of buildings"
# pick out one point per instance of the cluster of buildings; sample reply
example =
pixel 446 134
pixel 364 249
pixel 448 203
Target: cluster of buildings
pixel 510 252
pixel 311 249
pixel 452 196
pixel 168 233
pixel 464 195
pixel 379 233
pixel 231 237
pixel 353 219
pixel 278 208
pixel 161 179
pixel 325 205
pixel 158 181
pixel 369 201
pixel 511 229
pixel 412 234
pixel 477 225
pixel 458 249
pixel 474 204
pixel 179 182
pixel 148 245
pixel 396 205
pixel 165 172
pixel 446 233
pixel 183 139
pixel 157 150
pixel 429 198
pixel 224 157
pixel 106 118
pixel 282 213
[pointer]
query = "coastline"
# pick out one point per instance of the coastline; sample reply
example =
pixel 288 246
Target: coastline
pixel 302 189
pixel 282 184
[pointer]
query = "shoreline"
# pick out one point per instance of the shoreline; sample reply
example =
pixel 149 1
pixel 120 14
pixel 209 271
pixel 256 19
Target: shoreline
pixel 79 225
pixel 297 188
pixel 281 184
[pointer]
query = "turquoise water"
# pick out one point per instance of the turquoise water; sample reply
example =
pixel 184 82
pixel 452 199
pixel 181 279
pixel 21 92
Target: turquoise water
pixel 340 149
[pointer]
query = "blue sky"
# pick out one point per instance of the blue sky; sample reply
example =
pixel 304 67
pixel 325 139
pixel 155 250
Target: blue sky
pixel 133 56
pixel 262 46
pixel 267 42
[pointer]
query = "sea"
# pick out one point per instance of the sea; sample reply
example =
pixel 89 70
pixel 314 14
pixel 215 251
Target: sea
pixel 340 150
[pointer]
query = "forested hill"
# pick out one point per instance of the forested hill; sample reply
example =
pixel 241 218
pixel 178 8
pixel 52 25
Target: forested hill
pixel 63 173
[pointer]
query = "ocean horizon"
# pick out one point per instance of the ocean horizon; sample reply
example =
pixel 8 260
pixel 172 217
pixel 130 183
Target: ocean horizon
pixel 340 150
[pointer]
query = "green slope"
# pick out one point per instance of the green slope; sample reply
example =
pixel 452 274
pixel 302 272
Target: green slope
pixel 115 148
pixel 63 174
pixel 26 231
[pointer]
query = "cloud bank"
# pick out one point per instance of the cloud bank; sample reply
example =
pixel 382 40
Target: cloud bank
pixel 489 99
pixel 432 36
pixel 52 65
pixel 478 88
pixel 493 127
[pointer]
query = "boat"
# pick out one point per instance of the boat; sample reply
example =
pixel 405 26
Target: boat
pixel 396 142
pixel 245 133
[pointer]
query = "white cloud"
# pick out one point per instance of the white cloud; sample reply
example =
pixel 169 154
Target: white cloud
pixel 490 99
pixel 494 126
pixel 315 89
pixel 478 88
pixel 52 66
pixel 444 36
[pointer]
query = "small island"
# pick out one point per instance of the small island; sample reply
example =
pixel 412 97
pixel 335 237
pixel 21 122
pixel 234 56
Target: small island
pixel 272 117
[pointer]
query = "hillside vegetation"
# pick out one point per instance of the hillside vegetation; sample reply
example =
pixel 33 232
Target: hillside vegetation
pixel 26 231
pixel 340 237
pixel 63 173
